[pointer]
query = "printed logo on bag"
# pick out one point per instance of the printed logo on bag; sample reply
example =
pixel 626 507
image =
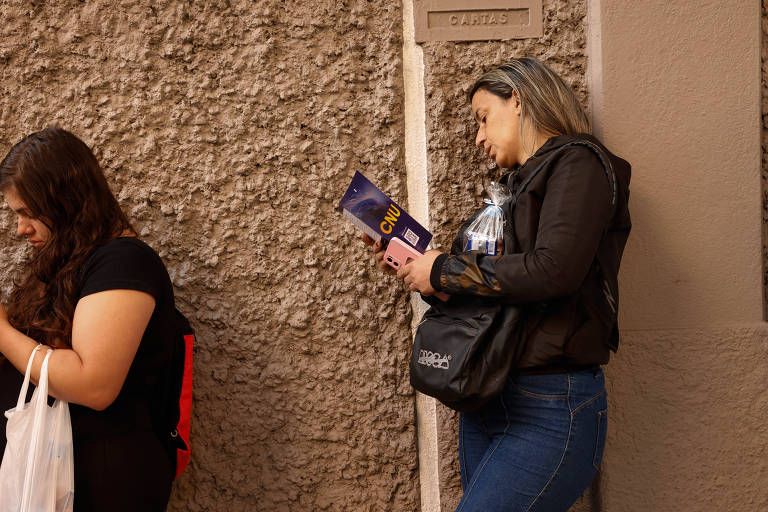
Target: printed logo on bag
pixel 434 359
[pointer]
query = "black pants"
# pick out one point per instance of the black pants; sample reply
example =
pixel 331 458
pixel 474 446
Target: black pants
pixel 123 473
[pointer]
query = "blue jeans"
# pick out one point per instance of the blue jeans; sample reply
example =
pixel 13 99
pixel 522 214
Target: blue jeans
pixel 536 447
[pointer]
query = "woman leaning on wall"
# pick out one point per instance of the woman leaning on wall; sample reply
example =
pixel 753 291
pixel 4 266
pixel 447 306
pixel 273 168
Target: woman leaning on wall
pixel 102 300
pixel 537 445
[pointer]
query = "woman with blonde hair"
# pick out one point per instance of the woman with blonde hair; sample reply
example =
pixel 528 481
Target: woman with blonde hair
pixel 537 445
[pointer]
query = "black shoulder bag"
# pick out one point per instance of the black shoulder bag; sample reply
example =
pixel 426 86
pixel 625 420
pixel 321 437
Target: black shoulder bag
pixel 465 348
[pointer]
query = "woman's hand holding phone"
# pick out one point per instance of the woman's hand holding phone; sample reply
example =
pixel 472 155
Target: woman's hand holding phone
pixel 415 273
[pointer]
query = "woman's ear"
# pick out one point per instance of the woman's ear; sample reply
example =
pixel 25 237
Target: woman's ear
pixel 515 99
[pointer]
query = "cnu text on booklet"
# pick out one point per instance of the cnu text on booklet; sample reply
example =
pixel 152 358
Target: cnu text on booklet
pixel 378 216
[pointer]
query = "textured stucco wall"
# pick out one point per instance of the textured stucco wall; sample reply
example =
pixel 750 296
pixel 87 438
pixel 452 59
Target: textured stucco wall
pixel 688 429
pixel 457 169
pixel 229 130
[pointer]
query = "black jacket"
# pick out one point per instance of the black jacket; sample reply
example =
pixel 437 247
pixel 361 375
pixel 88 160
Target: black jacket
pixel 568 239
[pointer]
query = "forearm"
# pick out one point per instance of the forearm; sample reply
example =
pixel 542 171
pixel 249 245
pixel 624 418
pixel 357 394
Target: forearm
pixel 523 277
pixel 466 273
pixel 67 379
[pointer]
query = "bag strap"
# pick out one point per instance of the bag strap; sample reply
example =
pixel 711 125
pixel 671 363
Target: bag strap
pixel 40 403
pixel 25 386
pixel 611 177
pixel 607 168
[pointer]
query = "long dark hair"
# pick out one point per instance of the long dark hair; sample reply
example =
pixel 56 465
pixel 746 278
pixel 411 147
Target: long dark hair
pixel 60 182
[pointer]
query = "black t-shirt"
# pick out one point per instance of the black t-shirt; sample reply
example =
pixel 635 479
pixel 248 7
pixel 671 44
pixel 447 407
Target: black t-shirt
pixel 122 263
pixel 130 264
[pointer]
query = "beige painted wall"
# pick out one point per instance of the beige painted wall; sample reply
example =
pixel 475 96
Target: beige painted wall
pixel 681 101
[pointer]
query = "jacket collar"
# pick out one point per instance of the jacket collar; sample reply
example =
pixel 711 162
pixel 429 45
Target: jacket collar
pixel 519 172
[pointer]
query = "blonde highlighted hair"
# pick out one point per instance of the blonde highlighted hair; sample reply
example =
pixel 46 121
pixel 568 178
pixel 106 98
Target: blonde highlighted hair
pixel 547 103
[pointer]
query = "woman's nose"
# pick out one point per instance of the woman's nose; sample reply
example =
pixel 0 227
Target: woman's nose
pixel 23 227
pixel 480 138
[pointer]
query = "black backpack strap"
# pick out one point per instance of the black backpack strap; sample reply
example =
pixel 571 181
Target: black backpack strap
pixel 607 167
pixel 609 293
pixel 610 175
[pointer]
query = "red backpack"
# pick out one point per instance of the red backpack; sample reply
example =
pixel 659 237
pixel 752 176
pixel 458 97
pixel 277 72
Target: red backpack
pixel 179 402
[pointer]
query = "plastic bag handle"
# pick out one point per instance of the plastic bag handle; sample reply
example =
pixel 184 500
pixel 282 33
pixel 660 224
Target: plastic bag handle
pixel 41 402
pixel 42 383
pixel 25 386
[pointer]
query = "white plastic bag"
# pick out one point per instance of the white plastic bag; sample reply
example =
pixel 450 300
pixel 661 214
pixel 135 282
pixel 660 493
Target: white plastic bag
pixel 37 472
pixel 486 232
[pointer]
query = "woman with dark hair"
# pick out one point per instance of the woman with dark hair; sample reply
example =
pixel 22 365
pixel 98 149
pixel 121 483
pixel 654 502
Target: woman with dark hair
pixel 538 445
pixel 102 299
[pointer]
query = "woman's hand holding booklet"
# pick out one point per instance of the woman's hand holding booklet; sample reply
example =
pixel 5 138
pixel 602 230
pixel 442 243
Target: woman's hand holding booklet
pixel 398 241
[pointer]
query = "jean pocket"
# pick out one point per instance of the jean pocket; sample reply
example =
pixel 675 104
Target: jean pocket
pixel 552 387
pixel 602 429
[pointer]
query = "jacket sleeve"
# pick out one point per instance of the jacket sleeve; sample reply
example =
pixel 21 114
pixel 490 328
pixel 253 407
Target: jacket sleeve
pixel 574 214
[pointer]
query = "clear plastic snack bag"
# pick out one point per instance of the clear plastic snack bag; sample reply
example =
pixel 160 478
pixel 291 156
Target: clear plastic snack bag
pixel 486 232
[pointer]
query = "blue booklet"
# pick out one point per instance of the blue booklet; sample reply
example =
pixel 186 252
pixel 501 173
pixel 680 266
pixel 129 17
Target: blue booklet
pixel 379 217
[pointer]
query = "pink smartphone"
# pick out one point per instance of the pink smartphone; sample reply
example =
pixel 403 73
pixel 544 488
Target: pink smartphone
pixel 399 253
